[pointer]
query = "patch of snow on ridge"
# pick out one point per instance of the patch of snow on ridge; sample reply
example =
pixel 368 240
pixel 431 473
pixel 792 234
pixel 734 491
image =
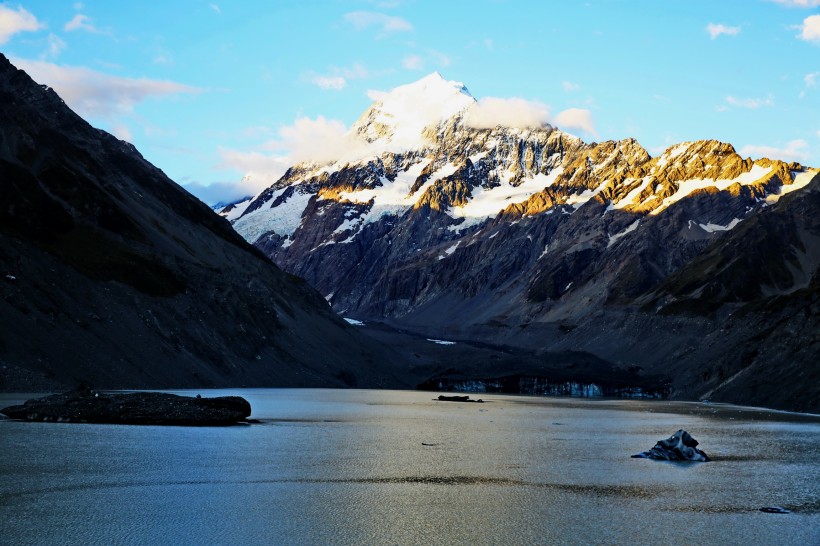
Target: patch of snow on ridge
pixel 672 153
pixel 347 225
pixel 711 228
pixel 442 342
pixel 579 199
pixel 614 238
pixel 237 209
pixel 282 220
pixel 799 180
pixel 354 322
pixel 391 197
pixel 686 187
pixel 631 196
pixel 486 203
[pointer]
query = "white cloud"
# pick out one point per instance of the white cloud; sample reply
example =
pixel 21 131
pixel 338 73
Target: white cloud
pixel 121 131
pixel 810 29
pixel 375 94
pixel 576 118
pixel 55 45
pixel 413 62
pixel 811 79
pixel 570 87
pixel 798 3
pixel 317 139
pixel 752 104
pixel 338 77
pixel 795 150
pixel 15 21
pixel 386 23
pixel 440 58
pixel 163 58
pixel 216 8
pixel 336 83
pixel 81 22
pixel 321 140
pixel 491 112
pixel 94 94
pixel 264 168
pixel 716 30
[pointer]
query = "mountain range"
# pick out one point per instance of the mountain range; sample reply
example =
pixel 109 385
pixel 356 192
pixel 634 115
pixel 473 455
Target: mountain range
pixel 438 219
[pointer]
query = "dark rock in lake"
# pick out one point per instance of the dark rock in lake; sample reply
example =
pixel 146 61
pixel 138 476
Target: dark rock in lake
pixel 678 447
pixel 85 405
pixel 458 398
pixel 775 510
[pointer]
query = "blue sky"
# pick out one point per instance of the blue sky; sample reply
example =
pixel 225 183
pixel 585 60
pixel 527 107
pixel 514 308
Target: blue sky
pixel 211 90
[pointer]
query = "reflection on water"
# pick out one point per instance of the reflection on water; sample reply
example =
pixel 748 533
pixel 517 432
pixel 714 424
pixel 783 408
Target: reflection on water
pixel 386 467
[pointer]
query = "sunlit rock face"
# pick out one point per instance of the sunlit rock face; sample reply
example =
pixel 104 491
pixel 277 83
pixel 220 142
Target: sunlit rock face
pixel 530 236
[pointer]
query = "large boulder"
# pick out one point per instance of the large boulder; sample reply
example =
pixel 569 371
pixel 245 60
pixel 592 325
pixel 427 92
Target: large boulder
pixel 678 447
pixel 85 405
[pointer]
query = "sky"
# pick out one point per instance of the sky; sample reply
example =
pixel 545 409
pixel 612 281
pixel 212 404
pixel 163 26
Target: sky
pixel 210 91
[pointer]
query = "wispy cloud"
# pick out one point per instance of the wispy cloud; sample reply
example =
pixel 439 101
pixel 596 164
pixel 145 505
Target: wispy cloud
pixel 491 112
pixel 336 83
pixel 417 61
pixel 716 30
pixel 215 8
pixel 338 77
pixel 751 103
pixel 798 3
pixel 320 139
pixel 413 62
pixel 570 87
pixel 55 45
pixel 795 150
pixel 81 22
pixel 15 21
pixel 811 79
pixel 441 59
pixel 95 94
pixel 163 58
pixel 386 24
pixel 810 29
pixel 576 118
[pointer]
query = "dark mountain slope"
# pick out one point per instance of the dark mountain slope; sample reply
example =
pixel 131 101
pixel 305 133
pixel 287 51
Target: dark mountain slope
pixel 114 275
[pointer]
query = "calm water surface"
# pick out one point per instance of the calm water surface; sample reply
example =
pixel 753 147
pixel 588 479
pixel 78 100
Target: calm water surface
pixel 388 467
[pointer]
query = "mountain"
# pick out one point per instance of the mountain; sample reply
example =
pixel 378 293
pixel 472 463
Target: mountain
pixel 115 276
pixel 694 264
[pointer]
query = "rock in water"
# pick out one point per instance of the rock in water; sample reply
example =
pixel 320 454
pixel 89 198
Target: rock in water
pixel 85 405
pixel 458 398
pixel 678 447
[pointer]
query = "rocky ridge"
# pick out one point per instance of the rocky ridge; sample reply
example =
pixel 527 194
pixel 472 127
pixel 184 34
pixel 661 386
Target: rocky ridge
pixel 113 275
pixel 534 238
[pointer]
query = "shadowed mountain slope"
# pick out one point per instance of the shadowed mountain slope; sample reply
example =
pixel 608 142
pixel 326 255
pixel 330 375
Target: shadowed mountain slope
pixel 115 276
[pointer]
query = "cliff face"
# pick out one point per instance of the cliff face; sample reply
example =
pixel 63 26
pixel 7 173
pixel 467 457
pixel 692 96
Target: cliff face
pixel 115 276
pixel 534 238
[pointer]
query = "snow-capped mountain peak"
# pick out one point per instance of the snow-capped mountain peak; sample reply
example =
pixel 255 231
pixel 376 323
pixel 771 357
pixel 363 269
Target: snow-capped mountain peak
pixel 399 116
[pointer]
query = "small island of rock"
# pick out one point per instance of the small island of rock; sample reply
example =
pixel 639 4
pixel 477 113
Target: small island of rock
pixel 678 447
pixel 85 405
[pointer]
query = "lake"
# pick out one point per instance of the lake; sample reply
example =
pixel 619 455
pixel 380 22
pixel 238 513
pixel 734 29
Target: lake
pixel 396 467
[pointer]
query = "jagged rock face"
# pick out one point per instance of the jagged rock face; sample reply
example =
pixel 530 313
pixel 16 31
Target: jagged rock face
pixel 477 229
pixel 113 275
